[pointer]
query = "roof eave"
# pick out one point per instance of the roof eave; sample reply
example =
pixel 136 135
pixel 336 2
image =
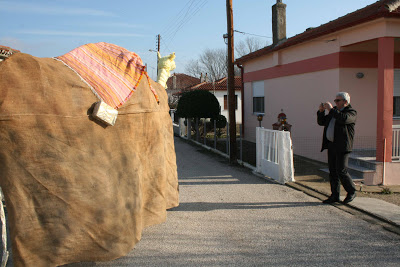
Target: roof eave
pixel 312 34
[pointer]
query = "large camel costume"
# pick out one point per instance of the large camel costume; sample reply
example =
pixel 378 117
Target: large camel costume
pixel 76 189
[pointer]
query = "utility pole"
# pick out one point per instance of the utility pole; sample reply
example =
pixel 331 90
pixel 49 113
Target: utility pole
pixel 158 43
pixel 231 85
pixel 158 50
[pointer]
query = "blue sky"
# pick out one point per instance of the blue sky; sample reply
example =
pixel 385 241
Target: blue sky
pixel 45 28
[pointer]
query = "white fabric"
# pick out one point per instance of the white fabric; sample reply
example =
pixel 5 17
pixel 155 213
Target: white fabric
pixel 275 155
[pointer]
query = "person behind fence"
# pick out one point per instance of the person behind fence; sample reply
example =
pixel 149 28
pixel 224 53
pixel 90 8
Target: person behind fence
pixel 338 122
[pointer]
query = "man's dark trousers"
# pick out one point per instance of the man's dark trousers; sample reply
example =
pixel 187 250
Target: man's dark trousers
pixel 338 164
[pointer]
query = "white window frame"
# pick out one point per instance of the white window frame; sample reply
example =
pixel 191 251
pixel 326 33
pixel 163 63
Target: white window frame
pixel 258 90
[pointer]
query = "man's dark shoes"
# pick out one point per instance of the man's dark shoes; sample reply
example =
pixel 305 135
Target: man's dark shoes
pixel 349 198
pixel 330 200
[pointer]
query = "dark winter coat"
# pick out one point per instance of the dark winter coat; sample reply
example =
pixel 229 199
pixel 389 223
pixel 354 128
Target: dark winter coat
pixel 344 127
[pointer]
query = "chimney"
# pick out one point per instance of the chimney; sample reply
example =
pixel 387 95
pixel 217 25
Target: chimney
pixel 201 78
pixel 278 22
pixel 206 78
pixel 174 82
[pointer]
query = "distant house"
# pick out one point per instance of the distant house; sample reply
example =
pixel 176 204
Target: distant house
pixel 219 89
pixel 6 51
pixel 179 82
pixel 358 53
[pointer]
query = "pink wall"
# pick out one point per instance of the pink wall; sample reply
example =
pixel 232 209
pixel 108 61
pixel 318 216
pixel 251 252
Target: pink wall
pixel 299 97
pixel 311 49
pixel 363 94
pixel 392 170
pixel 260 63
pixel 367 31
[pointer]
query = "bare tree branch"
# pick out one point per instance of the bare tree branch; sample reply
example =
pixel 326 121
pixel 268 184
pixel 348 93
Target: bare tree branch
pixel 194 68
pixel 248 45
pixel 214 61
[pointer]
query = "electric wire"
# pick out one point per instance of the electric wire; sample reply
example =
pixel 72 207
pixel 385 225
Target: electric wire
pixel 177 59
pixel 246 33
pixel 176 18
pixel 192 6
pixel 171 29
pixel 191 11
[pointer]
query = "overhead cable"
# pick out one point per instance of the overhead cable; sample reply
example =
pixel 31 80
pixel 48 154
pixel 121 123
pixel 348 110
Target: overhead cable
pixel 251 34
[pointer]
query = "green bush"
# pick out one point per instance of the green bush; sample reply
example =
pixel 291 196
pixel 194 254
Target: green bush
pixel 198 104
pixel 221 121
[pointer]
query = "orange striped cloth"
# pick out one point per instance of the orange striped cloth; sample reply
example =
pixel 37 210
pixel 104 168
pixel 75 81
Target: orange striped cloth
pixel 111 71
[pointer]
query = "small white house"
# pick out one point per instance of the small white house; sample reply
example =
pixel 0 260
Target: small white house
pixel 220 89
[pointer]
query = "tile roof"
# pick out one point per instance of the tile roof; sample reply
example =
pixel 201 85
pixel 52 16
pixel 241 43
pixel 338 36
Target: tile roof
pixel 379 9
pixel 183 81
pixel 219 85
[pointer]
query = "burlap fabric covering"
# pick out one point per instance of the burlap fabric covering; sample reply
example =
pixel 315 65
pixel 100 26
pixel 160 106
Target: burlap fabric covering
pixel 76 190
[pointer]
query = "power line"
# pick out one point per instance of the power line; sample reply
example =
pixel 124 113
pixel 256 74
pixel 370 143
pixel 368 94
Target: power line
pixel 166 45
pixel 252 34
pixel 181 16
pixel 170 24
pixel 184 20
pixel 191 11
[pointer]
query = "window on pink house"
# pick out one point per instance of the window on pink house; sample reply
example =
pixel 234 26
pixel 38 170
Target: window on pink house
pixel 396 106
pixel 396 94
pixel 258 97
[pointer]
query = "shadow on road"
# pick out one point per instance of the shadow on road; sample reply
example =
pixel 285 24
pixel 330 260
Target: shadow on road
pixel 235 174
pixel 209 206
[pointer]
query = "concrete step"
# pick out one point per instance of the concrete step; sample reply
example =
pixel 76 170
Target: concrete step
pixel 363 162
pixel 358 173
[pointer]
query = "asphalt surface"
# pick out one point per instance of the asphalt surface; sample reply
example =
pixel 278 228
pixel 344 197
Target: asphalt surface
pixel 230 217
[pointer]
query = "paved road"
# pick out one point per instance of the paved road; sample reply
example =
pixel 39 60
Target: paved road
pixel 229 217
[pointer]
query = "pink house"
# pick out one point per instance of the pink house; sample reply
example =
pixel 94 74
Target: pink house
pixel 358 53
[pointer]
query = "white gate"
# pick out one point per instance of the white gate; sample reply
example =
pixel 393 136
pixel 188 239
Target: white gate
pixel 275 155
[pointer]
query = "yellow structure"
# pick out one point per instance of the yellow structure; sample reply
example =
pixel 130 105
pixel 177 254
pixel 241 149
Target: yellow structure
pixel 164 66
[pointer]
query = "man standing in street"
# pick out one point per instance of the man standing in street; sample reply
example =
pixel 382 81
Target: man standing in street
pixel 338 138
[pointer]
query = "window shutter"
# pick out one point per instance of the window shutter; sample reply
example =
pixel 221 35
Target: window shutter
pixel 225 102
pixel 258 89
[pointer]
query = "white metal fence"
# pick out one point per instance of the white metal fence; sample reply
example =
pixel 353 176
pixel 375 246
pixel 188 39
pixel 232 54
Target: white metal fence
pixel 275 154
pixel 185 131
pixel 396 142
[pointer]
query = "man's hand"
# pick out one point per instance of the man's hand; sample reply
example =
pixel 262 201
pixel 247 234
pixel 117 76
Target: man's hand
pixel 321 107
pixel 328 106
